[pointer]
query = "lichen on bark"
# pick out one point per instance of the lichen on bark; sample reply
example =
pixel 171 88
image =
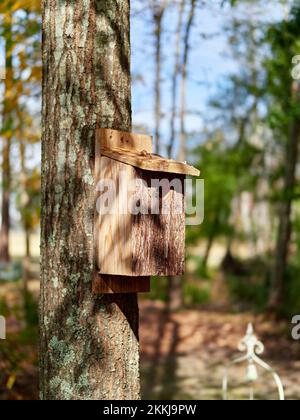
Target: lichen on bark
pixel 89 345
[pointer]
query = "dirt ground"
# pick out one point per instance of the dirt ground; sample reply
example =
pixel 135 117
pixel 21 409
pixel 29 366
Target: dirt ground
pixel 183 354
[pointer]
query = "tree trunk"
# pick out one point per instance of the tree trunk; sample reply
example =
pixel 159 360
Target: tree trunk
pixel 208 249
pixel 175 293
pixel 8 107
pixel 25 202
pixel 27 243
pixel 285 224
pixel 89 345
pixel 175 283
pixel 184 74
pixel 158 15
pixel 5 225
pixel 175 79
pixel 26 262
pixel 157 20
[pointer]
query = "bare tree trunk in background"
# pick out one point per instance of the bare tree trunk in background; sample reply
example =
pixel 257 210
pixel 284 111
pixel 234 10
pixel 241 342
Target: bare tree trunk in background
pixel 158 11
pixel 184 75
pixel 210 241
pixel 27 243
pixel 25 200
pixel 89 344
pixel 26 264
pixel 175 79
pixel 8 107
pixel 175 283
pixel 285 223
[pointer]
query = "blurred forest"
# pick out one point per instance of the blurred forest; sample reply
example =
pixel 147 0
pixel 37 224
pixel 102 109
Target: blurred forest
pixel 243 133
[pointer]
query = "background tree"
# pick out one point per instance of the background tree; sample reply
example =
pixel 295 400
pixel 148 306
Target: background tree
pixel 158 10
pixel 9 105
pixel 184 76
pixel 20 31
pixel 176 73
pixel 284 113
pixel 28 202
pixel 175 286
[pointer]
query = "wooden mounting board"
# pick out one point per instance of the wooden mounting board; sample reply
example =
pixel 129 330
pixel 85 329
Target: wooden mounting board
pixel 112 139
pixel 105 284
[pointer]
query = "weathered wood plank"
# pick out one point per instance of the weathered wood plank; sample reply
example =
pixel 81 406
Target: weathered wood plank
pixel 105 284
pixel 111 139
pixel 129 248
pixel 143 244
pixel 149 162
pixel 158 240
pixel 113 232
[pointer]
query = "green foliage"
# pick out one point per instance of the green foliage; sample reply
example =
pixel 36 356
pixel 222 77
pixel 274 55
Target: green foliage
pixel 247 292
pixel 159 289
pixel 30 309
pixel 4 308
pixel 28 199
pixel 196 294
pixel 193 293
pixel 283 39
pixel 225 170
pixel 291 303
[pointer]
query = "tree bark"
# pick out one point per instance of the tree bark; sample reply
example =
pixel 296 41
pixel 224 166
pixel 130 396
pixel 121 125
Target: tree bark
pixel 89 345
pixel 8 107
pixel 285 223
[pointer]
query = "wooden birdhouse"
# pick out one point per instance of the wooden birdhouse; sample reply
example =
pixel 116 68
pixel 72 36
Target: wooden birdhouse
pixel 139 226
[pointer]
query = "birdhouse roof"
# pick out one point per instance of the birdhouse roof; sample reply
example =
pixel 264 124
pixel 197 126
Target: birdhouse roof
pixel 149 161
pixel 136 150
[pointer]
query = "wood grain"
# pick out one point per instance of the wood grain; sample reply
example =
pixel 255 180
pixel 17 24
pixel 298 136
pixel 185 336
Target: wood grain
pixel 142 244
pixel 149 162
pixel 113 231
pixel 110 139
pixel 158 240
pixel 137 245
pixel 104 284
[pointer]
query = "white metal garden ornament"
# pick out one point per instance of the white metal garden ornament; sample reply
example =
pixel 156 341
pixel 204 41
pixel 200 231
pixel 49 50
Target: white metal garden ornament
pixel 253 347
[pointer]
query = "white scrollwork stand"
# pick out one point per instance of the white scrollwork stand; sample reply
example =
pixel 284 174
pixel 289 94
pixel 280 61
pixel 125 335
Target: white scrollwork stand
pixel 253 347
